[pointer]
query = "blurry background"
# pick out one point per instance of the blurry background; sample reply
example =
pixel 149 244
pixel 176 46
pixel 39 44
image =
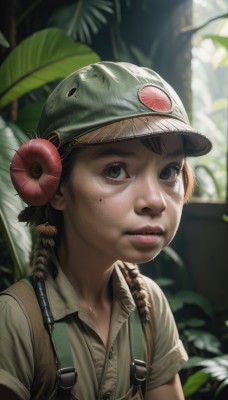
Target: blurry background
pixel 186 41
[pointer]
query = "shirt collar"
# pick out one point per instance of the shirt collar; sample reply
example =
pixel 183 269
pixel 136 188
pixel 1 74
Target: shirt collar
pixel 63 298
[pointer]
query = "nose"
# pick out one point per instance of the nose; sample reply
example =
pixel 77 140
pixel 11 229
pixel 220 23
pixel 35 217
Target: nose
pixel 149 197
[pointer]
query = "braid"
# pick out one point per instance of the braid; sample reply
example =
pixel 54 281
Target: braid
pixel 39 216
pixel 138 289
pixel 43 249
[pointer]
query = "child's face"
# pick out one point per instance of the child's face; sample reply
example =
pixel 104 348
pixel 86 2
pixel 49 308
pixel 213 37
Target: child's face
pixel 123 200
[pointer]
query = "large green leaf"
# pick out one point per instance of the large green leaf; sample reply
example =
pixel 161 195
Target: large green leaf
pixel 204 340
pixel 216 368
pixel 183 297
pixel 195 382
pixel 82 17
pixel 17 236
pixel 222 40
pixel 43 57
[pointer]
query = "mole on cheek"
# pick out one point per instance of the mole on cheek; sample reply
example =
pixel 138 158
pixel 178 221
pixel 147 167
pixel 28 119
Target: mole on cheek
pixel 100 200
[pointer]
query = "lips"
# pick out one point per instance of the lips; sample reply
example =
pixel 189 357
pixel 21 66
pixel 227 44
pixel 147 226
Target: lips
pixel 148 230
pixel 147 237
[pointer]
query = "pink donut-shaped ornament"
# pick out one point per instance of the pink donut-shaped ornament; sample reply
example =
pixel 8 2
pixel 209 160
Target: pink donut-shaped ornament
pixel 35 171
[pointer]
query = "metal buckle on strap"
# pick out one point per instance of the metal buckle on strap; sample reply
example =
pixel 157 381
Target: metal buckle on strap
pixel 66 377
pixel 138 372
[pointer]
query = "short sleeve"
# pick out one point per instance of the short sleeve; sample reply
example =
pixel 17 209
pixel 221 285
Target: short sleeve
pixel 16 352
pixel 169 352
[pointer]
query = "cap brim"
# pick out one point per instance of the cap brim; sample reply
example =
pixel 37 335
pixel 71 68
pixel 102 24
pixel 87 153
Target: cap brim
pixel 195 144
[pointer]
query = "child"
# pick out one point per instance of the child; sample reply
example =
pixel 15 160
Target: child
pixel 105 183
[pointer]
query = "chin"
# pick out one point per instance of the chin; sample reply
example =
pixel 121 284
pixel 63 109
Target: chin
pixel 141 259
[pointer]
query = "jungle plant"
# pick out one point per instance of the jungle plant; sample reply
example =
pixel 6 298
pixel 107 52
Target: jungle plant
pixel 44 57
pixel 206 372
pixel 192 311
pixel 211 113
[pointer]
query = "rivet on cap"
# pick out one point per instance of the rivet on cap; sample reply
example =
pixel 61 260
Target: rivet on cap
pixel 155 98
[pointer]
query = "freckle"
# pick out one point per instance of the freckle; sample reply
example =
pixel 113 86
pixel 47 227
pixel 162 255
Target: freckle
pixel 100 200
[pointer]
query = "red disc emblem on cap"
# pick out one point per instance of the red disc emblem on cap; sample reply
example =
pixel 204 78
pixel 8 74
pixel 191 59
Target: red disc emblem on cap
pixel 155 98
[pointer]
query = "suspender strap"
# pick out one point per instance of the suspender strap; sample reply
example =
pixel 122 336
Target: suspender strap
pixel 138 365
pixel 66 373
pixel 136 335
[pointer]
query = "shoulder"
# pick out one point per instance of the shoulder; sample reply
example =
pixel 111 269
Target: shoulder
pixel 15 345
pixel 9 298
pixel 163 317
pixel 169 353
pixel 15 335
pixel 22 328
pixel 12 307
pixel 18 296
pixel 157 296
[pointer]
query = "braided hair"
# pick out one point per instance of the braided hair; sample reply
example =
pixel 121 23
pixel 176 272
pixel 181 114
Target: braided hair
pixel 138 289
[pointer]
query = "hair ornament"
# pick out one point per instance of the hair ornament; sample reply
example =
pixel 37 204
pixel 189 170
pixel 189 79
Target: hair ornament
pixel 46 229
pixel 35 171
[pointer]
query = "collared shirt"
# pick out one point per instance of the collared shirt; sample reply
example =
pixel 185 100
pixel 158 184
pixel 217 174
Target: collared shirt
pixel 103 372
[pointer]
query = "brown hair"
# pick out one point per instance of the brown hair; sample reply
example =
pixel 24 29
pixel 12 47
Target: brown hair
pixel 189 181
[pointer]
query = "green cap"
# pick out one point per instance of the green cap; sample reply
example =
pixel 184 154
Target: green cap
pixel 114 101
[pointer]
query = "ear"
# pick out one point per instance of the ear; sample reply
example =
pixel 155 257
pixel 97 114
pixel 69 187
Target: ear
pixel 58 200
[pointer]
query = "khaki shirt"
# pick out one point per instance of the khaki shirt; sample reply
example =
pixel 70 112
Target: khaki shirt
pixel 103 372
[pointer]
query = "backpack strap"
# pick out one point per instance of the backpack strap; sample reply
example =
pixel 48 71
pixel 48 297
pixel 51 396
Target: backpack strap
pixel 138 369
pixel 66 372
pixel 44 356
pixel 55 337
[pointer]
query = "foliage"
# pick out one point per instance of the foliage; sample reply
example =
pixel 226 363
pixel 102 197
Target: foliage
pixel 10 204
pixel 192 311
pixel 210 63
pixel 213 371
pixel 41 59
pixel 210 374
pixel 206 371
pixel 81 19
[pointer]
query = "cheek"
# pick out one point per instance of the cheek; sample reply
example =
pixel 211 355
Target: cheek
pixel 176 214
pixel 175 196
pixel 179 190
pixel 176 202
pixel 89 203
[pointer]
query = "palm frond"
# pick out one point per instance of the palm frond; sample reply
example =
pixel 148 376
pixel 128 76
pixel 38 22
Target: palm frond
pixel 82 18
